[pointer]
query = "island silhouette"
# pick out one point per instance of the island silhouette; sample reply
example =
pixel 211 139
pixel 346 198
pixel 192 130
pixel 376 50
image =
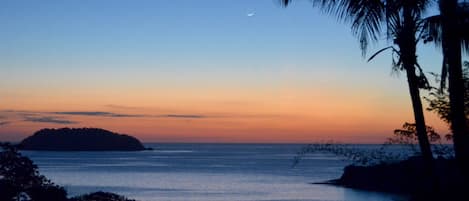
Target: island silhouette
pixel 80 139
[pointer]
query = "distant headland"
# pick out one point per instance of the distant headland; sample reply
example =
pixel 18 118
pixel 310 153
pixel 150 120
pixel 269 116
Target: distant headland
pixel 80 139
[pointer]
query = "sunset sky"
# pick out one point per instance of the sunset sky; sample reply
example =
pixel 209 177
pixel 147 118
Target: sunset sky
pixel 196 71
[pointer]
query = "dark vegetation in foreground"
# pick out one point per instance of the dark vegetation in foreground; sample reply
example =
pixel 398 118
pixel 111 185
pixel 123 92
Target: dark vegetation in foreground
pixel 100 196
pixel 21 180
pixel 407 177
pixel 397 172
pixel 406 172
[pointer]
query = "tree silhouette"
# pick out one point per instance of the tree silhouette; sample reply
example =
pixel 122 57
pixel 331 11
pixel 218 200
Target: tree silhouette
pixel 19 177
pixel 401 20
pixel 100 196
pixel 450 30
pixel 439 99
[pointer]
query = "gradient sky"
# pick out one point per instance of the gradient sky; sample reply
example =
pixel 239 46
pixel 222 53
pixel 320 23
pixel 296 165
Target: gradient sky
pixel 196 71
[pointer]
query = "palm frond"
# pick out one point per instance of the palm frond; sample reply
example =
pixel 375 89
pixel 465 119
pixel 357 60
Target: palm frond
pixel 432 30
pixel 366 18
pixel 432 27
pixel 394 24
pixel 379 52
pixel 463 13
pixel 285 2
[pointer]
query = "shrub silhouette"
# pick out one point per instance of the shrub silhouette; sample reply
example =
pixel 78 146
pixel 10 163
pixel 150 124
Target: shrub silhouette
pixel 19 177
pixel 100 196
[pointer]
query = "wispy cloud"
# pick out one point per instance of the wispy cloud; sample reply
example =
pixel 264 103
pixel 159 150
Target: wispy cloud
pixel 98 113
pixel 4 123
pixel 29 114
pixel 123 107
pixel 112 114
pixel 49 119
pixel 17 111
pixel 183 116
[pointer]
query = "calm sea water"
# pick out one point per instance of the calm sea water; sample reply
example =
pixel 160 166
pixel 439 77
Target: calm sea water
pixel 202 172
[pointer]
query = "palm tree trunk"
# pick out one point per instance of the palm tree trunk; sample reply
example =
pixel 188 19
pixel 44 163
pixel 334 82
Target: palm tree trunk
pixel 452 53
pixel 419 117
pixel 413 81
pixel 408 49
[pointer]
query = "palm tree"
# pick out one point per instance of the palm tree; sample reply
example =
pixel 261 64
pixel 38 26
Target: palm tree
pixel 402 21
pixel 450 30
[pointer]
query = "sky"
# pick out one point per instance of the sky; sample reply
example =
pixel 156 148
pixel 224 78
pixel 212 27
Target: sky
pixel 197 71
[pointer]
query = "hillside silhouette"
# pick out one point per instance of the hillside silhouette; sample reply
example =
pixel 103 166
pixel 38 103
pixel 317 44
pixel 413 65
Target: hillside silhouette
pixel 80 139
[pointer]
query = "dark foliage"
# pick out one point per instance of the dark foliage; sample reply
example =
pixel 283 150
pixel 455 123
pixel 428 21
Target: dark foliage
pixel 406 177
pixel 20 176
pixel 407 136
pixel 433 33
pixel 100 196
pixel 349 152
pixel 438 99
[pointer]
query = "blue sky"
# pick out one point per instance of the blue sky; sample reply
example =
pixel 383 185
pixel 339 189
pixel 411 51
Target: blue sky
pixel 60 54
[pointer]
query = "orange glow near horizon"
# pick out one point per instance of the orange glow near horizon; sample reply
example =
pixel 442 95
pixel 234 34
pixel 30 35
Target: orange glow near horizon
pixel 276 116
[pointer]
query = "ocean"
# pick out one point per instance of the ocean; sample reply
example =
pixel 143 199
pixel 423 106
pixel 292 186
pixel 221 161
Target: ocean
pixel 204 172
